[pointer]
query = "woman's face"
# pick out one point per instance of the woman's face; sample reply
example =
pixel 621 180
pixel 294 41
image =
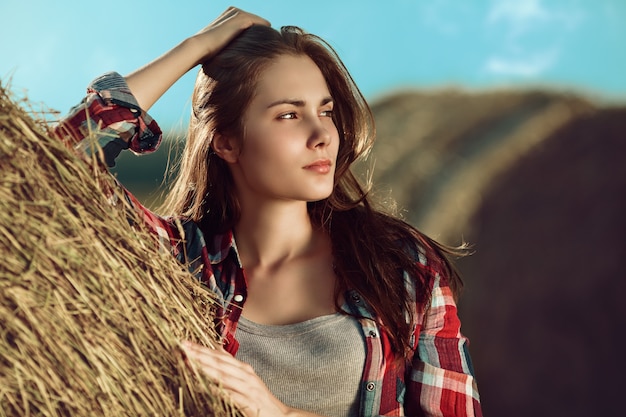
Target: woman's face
pixel 290 143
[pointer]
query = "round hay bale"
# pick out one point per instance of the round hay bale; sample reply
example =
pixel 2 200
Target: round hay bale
pixel 92 312
pixel 535 181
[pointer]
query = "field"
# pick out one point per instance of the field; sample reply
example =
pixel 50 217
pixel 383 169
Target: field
pixel 534 180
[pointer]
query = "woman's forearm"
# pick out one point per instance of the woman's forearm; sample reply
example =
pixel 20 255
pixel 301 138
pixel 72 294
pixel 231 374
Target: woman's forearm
pixel 149 82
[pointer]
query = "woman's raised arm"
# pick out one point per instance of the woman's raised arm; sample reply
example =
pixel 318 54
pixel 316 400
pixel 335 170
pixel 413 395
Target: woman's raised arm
pixel 150 82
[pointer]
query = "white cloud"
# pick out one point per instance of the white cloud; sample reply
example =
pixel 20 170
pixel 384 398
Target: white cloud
pixel 526 67
pixel 522 16
pixel 517 24
pixel 517 11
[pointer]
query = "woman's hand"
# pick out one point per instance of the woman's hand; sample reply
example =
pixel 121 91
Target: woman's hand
pixel 222 30
pixel 150 82
pixel 238 379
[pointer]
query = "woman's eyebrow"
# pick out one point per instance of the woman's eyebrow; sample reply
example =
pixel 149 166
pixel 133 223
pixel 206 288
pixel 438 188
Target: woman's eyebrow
pixel 298 103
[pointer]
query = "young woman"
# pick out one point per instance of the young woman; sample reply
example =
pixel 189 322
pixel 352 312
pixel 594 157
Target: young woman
pixel 330 307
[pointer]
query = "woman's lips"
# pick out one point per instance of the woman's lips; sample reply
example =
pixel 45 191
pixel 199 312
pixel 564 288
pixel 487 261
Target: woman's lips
pixel 321 166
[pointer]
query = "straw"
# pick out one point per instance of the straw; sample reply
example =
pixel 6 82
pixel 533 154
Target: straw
pixel 92 311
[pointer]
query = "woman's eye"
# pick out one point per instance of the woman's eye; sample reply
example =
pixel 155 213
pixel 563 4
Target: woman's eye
pixel 327 113
pixel 287 116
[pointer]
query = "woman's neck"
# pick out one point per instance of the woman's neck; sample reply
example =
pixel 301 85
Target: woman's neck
pixel 272 233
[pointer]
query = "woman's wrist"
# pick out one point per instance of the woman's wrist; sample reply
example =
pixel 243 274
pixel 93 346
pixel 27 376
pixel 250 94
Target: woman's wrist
pixel 194 50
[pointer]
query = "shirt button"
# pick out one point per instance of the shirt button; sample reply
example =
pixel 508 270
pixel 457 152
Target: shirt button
pixel 372 333
pixel 370 386
pixel 238 298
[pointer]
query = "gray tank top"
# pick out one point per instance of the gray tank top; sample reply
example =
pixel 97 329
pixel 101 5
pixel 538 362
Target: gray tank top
pixel 314 366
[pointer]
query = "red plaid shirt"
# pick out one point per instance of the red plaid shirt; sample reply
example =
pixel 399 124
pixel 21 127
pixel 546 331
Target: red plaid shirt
pixel 438 381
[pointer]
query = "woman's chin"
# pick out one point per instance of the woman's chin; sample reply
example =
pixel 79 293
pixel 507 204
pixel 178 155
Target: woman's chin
pixel 318 197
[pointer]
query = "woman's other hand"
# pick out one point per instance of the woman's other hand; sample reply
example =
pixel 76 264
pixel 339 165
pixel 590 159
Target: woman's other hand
pixel 238 379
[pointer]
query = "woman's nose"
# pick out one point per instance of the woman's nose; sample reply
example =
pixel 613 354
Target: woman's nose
pixel 320 134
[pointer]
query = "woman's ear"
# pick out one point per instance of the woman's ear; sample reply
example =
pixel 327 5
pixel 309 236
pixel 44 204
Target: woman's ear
pixel 226 147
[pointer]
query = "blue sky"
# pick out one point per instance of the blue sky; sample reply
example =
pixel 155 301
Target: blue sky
pixel 52 49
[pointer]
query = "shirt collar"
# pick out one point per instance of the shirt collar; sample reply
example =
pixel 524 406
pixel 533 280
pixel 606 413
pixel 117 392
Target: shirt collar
pixel 221 246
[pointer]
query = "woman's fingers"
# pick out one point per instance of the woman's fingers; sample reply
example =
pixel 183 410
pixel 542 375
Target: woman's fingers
pixel 220 366
pixel 240 17
pixel 225 28
pixel 237 378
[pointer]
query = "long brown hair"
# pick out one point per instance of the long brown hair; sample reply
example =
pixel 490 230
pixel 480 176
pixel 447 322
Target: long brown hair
pixel 372 250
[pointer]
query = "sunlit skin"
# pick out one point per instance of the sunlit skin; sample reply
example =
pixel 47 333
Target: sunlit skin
pixel 285 159
pixel 290 144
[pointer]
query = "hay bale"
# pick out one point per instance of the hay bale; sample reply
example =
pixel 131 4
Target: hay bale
pixel 536 182
pixel 92 313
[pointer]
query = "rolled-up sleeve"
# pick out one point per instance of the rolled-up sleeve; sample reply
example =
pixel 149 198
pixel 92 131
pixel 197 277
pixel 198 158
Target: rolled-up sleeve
pixel 109 120
pixel 441 379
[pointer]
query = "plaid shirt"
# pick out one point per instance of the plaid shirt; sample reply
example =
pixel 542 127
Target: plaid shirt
pixel 438 381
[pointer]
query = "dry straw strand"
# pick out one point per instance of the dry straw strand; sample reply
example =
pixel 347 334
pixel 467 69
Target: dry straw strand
pixel 92 311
